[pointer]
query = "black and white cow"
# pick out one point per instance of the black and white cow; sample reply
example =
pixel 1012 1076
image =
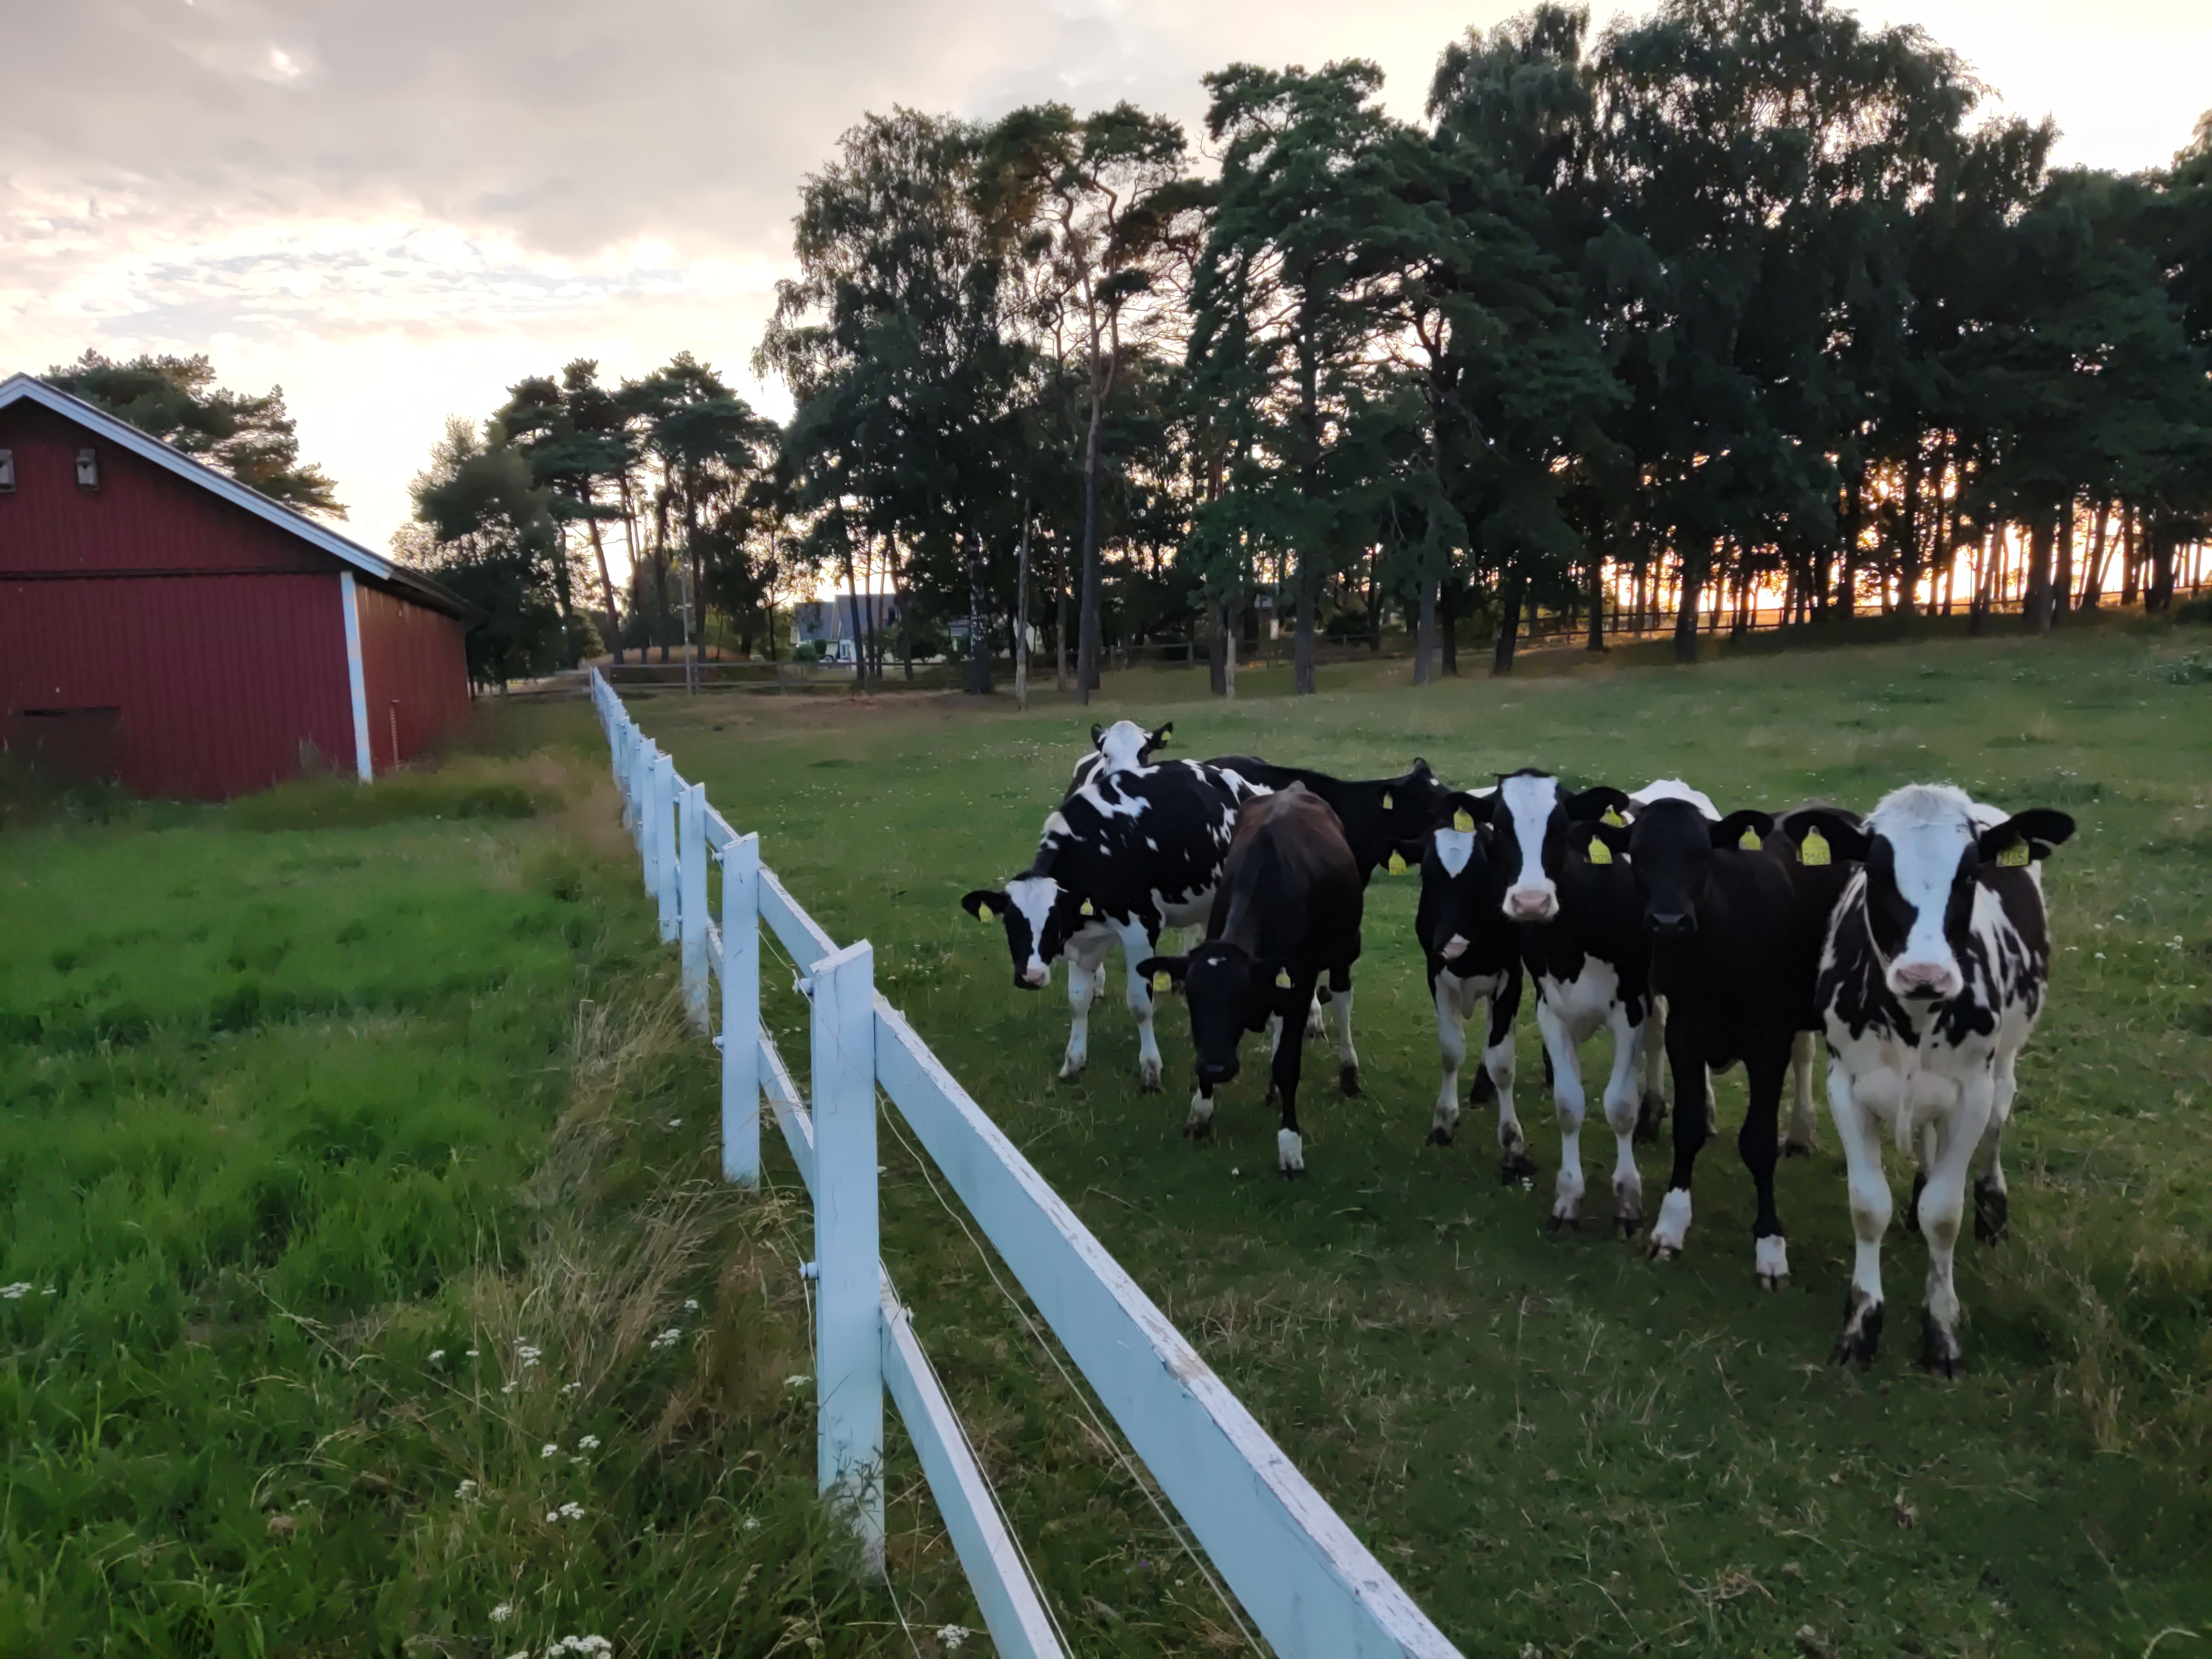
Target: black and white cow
pixel 1736 933
pixel 1584 945
pixel 1131 849
pixel 1931 984
pixel 1802 1135
pixel 1286 914
pixel 1473 958
pixel 1379 815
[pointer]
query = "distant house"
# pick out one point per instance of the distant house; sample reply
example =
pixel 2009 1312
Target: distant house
pixel 835 623
pixel 163 625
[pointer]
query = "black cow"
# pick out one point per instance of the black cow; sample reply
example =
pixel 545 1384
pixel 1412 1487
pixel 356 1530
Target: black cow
pixel 1474 958
pixel 1583 944
pixel 1287 912
pixel 1930 983
pixel 1130 850
pixel 1379 815
pixel 1802 1135
pixel 1736 933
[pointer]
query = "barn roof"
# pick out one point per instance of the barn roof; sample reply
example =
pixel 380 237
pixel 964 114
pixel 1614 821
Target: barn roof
pixel 28 388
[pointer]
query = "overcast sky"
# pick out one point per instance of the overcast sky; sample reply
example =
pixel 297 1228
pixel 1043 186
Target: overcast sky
pixel 394 209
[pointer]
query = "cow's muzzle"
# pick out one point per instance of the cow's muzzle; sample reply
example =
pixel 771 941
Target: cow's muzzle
pixel 1033 979
pixel 1924 981
pixel 1531 904
pixel 1454 948
pixel 1671 924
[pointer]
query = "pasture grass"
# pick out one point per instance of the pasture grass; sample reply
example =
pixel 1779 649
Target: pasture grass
pixel 1558 1446
pixel 366 1284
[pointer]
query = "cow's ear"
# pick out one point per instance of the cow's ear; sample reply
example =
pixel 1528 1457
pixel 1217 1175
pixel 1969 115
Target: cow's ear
pixel 1163 973
pixel 982 899
pixel 1401 856
pixel 1743 830
pixel 1604 841
pixel 1159 739
pixel 1462 811
pixel 2025 836
pixel 1594 803
pixel 1097 735
pixel 1827 838
pixel 1420 768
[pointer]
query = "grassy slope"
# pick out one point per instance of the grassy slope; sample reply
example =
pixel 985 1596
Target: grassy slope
pixel 1549 1439
pixel 294 1095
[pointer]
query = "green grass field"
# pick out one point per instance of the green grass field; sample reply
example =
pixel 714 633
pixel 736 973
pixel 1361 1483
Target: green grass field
pixel 1558 1446
pixel 366 1284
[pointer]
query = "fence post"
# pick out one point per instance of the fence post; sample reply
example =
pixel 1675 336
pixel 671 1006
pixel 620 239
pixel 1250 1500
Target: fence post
pixel 740 1039
pixel 849 1368
pixel 641 789
pixel 691 910
pixel 664 838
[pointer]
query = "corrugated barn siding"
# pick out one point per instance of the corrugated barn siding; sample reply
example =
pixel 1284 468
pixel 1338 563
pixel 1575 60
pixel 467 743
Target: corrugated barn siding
pixel 414 668
pixel 222 683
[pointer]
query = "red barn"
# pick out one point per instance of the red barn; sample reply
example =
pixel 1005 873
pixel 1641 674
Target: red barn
pixel 162 624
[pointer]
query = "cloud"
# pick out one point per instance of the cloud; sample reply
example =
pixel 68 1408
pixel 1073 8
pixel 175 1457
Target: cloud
pixel 395 210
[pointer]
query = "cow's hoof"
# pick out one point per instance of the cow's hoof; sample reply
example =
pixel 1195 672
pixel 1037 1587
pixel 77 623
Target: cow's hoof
pixel 1518 1170
pixel 1072 1069
pixel 1792 1148
pixel 1912 1203
pixel 1862 1337
pixel 1148 1083
pixel 1658 1252
pixel 1939 1348
pixel 1293 1174
pixel 1629 1224
pixel 1566 1224
pixel 1439 1136
pixel 1650 1113
pixel 1771 1260
pixel 1198 1131
pixel 1992 1212
pixel 1347 1081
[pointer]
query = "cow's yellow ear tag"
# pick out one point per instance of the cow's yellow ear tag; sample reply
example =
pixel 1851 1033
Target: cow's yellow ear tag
pixel 1750 842
pixel 1612 817
pixel 1282 978
pixel 1814 850
pixel 1162 980
pixel 1386 802
pixel 1599 852
pixel 2014 857
pixel 1087 910
pixel 1463 820
pixel 1397 864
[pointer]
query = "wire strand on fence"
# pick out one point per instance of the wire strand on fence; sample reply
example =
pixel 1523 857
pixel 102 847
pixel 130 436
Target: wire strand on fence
pixel 1106 1436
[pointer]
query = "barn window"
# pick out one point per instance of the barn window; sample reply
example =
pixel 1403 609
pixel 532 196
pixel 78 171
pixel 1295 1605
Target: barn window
pixel 7 470
pixel 87 468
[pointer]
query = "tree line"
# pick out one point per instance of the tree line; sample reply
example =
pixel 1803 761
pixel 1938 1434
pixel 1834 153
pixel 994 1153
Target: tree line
pixel 1737 302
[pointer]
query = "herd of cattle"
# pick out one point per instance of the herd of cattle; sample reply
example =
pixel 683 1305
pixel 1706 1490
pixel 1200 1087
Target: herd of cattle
pixel 1913 939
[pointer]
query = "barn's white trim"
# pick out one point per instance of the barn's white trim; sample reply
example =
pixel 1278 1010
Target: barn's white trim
pixel 356 680
pixel 28 388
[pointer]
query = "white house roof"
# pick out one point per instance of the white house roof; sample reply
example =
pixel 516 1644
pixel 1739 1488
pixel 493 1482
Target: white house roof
pixel 28 388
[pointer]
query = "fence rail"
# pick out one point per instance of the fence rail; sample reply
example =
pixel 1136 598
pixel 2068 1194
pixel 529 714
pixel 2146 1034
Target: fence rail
pixel 1311 1587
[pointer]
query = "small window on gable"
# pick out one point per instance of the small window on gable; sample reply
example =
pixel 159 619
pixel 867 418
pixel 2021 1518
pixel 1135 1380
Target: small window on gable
pixel 87 468
pixel 7 471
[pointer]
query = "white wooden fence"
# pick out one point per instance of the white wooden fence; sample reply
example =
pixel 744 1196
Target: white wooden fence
pixel 1313 1589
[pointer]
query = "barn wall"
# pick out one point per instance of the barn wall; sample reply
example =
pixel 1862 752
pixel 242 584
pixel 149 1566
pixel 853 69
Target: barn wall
pixel 415 672
pixel 143 518
pixel 221 684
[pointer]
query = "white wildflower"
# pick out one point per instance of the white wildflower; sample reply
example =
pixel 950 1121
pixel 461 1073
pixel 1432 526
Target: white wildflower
pixel 49 1291
pixel 566 1512
pixel 436 1354
pixel 752 1523
pixel 525 1353
pixel 675 1123
pixel 589 1443
pixel 952 1635
pixel 667 1338
pixel 502 1612
pixel 2100 956
pixel 16 1292
pixel 549 1449
pixel 570 1388
pixel 691 1302
pixel 473 1353
pixel 797 1381
pixel 466 1491
pixel 509 1386
pixel 597 1646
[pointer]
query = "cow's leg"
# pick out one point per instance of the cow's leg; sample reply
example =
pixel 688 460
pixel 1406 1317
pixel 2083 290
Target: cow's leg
pixel 1086 966
pixel 1804 1136
pixel 1316 1026
pixel 1943 1208
pixel 1567 1101
pixel 1516 1168
pixel 1290 1145
pixel 1498 1065
pixel 1274 1048
pixel 1685 1061
pixel 1451 1051
pixel 1139 942
pixel 1760 1143
pixel 1713 1106
pixel 1198 1125
pixel 1348 1058
pixel 1651 1110
pixel 1860 1134
pixel 1992 1209
pixel 1622 1101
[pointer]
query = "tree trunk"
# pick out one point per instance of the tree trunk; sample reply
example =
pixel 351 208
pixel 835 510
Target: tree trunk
pixel 606 588
pixel 1908 545
pixel 2038 569
pixel 1596 640
pixel 1302 655
pixel 1509 627
pixel 979 617
pixel 2158 594
pixel 1686 615
pixel 2062 581
pixel 2130 566
pixel 1449 618
pixel 1218 647
pixel 1087 662
pixel 1021 618
pixel 1060 620
pixel 1425 635
pixel 2093 578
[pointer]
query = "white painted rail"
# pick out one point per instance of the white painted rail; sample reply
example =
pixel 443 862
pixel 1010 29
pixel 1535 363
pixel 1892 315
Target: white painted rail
pixel 1314 1589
